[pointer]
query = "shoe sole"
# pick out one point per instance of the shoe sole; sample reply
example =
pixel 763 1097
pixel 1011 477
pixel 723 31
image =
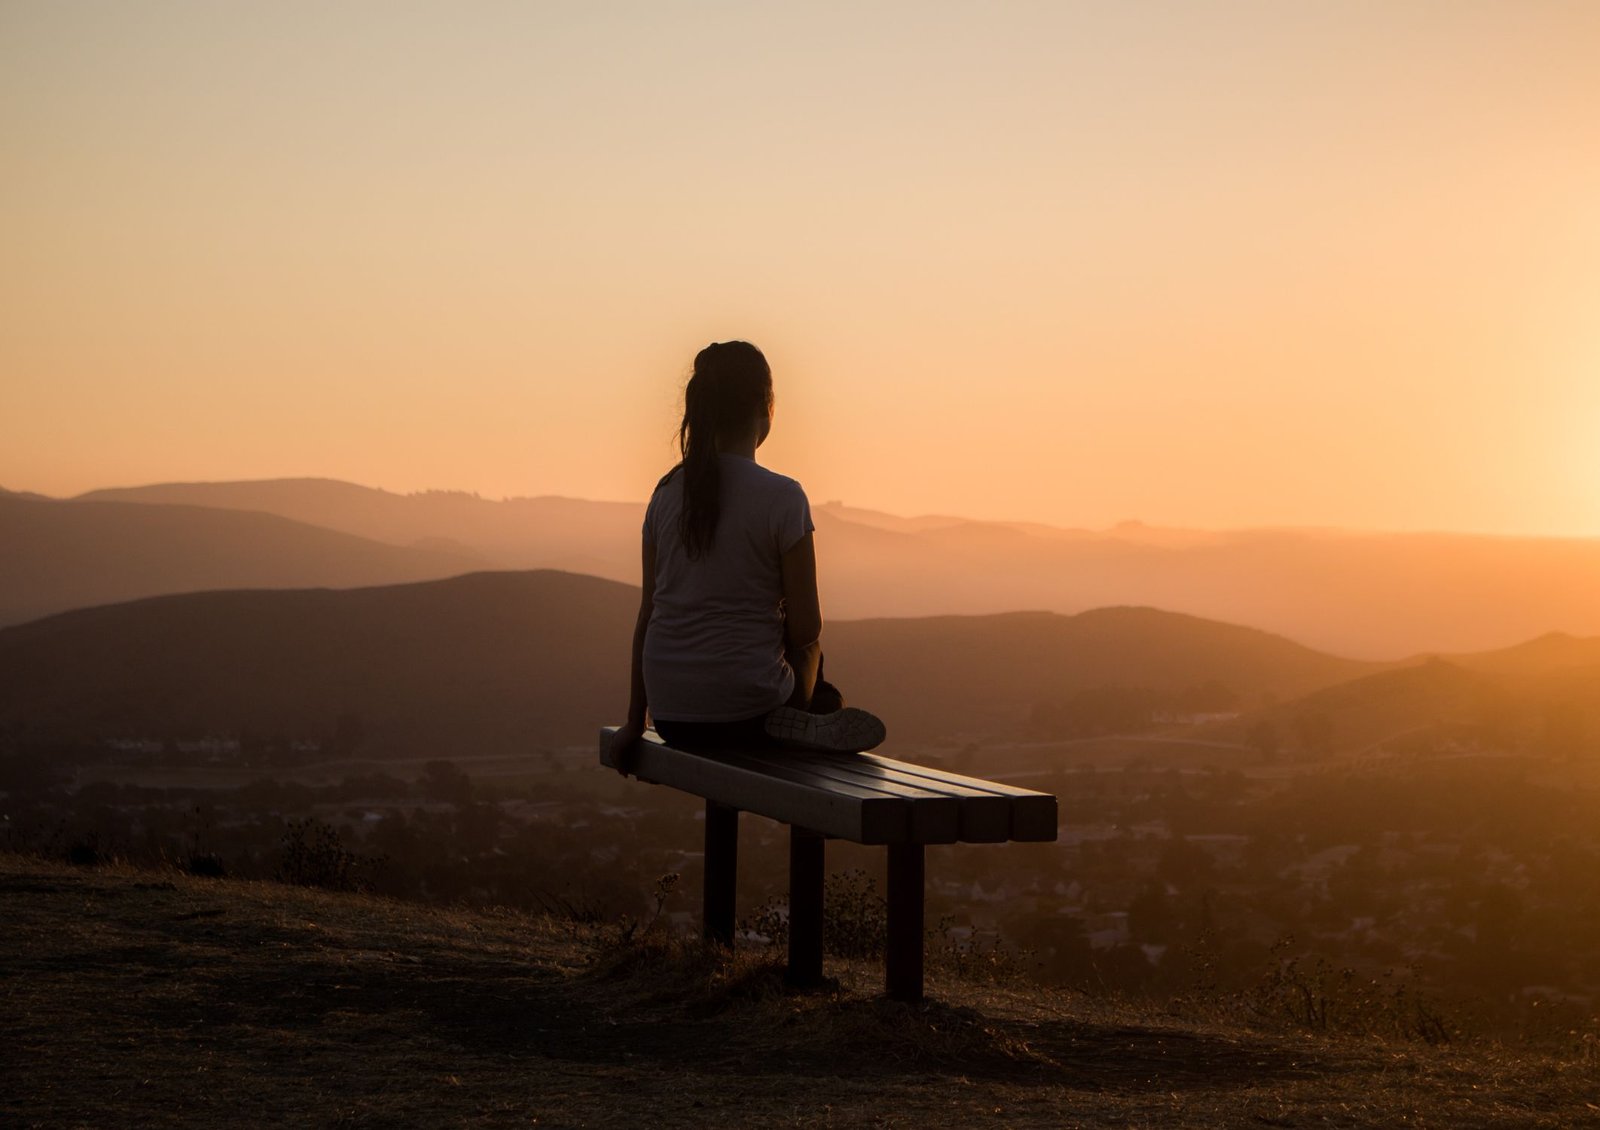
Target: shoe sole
pixel 844 731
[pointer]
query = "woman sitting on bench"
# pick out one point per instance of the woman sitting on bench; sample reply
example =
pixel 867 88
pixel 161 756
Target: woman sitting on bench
pixel 727 649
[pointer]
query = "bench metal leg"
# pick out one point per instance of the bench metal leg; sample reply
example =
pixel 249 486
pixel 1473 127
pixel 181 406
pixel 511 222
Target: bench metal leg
pixel 904 959
pixel 806 850
pixel 722 869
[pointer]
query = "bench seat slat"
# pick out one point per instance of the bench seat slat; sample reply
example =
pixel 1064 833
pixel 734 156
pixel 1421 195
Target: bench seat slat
pixel 867 817
pixel 985 816
pixel 979 784
pixel 862 797
pixel 822 768
pixel 1034 816
pixel 935 815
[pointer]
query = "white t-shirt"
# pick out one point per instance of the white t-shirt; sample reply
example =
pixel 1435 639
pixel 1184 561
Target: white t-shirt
pixel 713 651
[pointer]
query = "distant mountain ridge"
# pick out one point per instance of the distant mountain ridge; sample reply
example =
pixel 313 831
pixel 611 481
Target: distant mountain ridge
pixel 549 532
pixel 509 661
pixel 1551 653
pixel 1376 595
pixel 63 555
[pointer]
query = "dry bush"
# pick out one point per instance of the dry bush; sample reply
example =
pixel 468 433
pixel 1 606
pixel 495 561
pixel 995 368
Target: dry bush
pixel 313 854
pixel 1307 992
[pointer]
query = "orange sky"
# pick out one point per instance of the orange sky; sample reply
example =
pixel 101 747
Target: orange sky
pixel 1210 264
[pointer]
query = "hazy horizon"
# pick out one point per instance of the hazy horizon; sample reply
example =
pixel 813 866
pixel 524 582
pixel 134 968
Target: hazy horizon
pixel 1370 594
pixel 1222 265
pixel 860 507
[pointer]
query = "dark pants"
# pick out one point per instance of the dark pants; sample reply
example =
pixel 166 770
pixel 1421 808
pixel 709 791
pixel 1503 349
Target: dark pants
pixel 746 733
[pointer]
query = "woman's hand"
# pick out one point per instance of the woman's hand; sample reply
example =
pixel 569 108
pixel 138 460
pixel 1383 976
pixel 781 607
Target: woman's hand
pixel 802 619
pixel 624 746
pixel 625 741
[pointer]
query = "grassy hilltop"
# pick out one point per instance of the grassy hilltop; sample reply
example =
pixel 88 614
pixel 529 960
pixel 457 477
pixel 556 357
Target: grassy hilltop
pixel 158 999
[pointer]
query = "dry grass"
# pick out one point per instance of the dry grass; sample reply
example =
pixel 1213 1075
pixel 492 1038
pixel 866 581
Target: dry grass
pixel 136 998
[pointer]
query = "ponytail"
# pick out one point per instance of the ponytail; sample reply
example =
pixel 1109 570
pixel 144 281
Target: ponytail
pixel 730 385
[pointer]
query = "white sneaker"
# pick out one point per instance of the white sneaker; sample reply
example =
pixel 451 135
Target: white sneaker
pixel 844 731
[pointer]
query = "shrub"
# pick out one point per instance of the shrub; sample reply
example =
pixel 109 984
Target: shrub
pixel 86 851
pixel 1307 991
pixel 855 918
pixel 206 865
pixel 666 885
pixel 313 855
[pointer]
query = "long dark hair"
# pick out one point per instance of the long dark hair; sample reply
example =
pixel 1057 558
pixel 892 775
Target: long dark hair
pixel 731 385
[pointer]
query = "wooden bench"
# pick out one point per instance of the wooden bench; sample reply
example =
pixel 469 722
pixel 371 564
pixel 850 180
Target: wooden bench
pixel 849 796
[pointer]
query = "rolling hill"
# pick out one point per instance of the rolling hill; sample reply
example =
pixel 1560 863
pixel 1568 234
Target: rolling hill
pixel 942 676
pixel 478 663
pixel 63 555
pixel 1552 654
pixel 1542 697
pixel 510 661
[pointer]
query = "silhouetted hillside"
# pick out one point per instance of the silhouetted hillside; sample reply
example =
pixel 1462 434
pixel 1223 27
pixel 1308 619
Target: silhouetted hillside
pixel 1375 595
pixel 1541 698
pixel 62 555
pixel 1361 715
pixel 506 662
pixel 478 663
pixel 1549 654
pixel 946 675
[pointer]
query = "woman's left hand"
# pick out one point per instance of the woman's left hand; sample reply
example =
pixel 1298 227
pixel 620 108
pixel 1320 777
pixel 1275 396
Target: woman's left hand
pixel 624 745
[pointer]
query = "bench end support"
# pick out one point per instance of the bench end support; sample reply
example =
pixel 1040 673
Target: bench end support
pixel 806 854
pixel 904 958
pixel 722 870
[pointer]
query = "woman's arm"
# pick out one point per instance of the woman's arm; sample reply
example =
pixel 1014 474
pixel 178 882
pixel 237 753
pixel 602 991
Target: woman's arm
pixel 802 619
pixel 630 731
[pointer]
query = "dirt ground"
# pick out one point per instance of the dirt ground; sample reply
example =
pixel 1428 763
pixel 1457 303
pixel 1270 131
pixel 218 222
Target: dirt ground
pixel 157 999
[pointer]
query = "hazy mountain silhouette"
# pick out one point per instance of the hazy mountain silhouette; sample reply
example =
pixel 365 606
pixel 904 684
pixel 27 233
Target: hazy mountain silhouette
pixel 599 538
pixel 1375 595
pixel 1371 595
pixel 1366 714
pixel 1553 653
pixel 61 555
pixel 1541 697
pixel 506 662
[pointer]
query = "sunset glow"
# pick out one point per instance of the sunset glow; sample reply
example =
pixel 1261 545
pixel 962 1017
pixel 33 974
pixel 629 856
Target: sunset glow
pixel 1169 697
pixel 1215 265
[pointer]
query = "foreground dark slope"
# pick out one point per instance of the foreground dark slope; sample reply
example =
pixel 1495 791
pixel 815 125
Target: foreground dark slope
pixel 155 999
pixel 63 555
pixel 506 662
